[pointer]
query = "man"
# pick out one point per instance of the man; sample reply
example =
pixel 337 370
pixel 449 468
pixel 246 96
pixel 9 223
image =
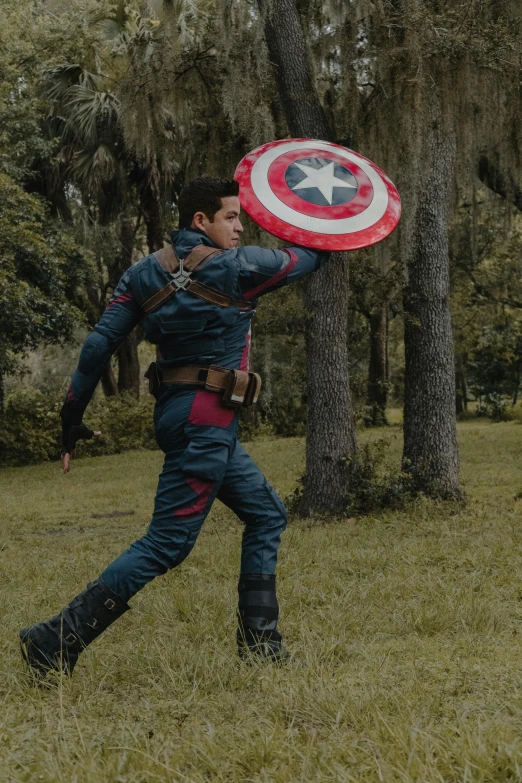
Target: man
pixel 196 300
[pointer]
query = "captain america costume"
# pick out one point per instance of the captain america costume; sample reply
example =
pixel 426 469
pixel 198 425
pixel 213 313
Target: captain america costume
pixel 198 435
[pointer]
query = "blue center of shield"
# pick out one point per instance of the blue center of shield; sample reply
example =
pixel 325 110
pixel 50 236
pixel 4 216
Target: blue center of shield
pixel 321 181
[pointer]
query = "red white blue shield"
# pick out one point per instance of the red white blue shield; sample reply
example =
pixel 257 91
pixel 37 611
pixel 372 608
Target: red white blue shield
pixel 318 194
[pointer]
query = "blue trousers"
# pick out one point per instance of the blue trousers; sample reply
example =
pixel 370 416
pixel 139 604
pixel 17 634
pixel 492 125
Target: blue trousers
pixel 203 460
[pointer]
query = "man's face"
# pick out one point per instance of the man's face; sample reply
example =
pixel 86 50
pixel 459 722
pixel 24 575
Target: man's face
pixel 226 227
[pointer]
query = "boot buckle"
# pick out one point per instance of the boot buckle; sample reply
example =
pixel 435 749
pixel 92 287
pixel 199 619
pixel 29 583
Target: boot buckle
pixel 70 638
pixel 110 604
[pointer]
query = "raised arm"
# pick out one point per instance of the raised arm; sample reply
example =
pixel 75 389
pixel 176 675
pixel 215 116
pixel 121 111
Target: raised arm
pixel 119 319
pixel 262 271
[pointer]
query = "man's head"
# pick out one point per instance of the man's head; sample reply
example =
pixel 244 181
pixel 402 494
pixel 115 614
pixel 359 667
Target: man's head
pixel 212 206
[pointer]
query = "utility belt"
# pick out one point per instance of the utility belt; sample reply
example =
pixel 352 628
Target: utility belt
pixel 238 387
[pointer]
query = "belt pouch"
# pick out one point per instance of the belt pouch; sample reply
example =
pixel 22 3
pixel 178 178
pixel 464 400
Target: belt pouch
pixel 253 389
pixel 234 394
pixel 153 375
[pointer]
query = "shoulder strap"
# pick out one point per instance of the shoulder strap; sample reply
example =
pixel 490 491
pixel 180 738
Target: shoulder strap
pixel 169 262
pixel 199 254
pixel 167 259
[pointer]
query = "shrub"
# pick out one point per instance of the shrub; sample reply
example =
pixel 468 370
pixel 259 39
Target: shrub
pixel 374 484
pixel 30 427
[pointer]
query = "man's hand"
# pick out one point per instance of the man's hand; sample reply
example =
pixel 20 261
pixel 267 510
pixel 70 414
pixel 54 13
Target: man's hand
pixel 71 436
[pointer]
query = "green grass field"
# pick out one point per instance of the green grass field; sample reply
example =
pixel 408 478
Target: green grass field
pixel 408 625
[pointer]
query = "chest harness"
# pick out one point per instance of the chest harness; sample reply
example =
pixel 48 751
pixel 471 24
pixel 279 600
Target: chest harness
pixel 237 386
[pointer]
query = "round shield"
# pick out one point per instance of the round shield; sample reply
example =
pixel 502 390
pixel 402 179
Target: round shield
pixel 317 194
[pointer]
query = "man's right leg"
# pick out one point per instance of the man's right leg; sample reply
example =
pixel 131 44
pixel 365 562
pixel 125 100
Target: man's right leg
pixel 247 492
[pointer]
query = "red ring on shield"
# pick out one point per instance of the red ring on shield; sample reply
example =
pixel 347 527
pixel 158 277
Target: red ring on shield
pixel 266 197
pixel 277 181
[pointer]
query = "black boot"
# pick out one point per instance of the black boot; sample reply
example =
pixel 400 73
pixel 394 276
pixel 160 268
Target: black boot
pixel 258 612
pixel 56 644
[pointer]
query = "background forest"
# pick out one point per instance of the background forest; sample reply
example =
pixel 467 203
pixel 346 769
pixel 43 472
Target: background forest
pixel 108 109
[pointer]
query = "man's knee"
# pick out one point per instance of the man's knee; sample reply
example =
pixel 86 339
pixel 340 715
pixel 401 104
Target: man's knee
pixel 166 552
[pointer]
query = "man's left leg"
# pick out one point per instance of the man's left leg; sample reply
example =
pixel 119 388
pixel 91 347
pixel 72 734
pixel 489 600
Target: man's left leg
pixel 187 487
pixel 248 493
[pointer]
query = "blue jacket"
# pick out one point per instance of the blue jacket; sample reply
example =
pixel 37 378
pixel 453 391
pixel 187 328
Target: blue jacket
pixel 186 329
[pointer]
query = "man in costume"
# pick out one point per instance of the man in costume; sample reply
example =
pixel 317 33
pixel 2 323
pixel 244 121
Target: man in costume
pixel 196 299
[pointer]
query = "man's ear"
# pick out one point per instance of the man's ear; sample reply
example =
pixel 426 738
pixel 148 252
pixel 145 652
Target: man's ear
pixel 198 221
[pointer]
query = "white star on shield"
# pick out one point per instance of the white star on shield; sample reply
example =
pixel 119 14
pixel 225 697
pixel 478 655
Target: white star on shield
pixel 323 179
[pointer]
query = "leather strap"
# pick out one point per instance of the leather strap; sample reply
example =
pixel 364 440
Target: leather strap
pixel 216 297
pixel 169 262
pixel 158 298
pixel 199 254
pixel 167 259
pixel 212 378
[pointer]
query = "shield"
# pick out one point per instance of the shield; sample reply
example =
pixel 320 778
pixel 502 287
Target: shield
pixel 317 194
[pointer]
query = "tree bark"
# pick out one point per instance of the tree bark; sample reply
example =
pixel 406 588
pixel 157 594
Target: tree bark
pixel 500 182
pixel 108 382
pixel 128 364
pixel 460 382
pixel 331 439
pixel 430 434
pixel 153 217
pixel 377 393
pixel 127 353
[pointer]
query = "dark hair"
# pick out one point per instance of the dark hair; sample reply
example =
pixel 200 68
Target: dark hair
pixel 204 195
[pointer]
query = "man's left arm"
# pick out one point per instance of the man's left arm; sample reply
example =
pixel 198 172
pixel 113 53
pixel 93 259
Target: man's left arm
pixel 120 317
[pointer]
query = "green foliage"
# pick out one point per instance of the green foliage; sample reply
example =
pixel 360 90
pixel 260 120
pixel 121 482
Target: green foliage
pixel 40 271
pixel 375 483
pixel 125 424
pixel 30 428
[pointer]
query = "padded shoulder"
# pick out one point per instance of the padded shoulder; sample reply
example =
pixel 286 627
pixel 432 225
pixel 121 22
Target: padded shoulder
pixel 147 277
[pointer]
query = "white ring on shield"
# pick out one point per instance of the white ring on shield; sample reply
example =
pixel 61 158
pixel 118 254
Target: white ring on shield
pixel 265 194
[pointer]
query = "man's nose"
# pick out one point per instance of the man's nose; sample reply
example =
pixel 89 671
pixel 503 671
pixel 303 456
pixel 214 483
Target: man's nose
pixel 239 227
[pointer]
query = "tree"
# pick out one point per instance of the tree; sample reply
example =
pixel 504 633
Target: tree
pixel 331 439
pixel 40 273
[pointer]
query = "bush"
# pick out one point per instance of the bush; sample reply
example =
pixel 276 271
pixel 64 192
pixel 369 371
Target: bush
pixel 30 427
pixel 374 484
pixel 494 407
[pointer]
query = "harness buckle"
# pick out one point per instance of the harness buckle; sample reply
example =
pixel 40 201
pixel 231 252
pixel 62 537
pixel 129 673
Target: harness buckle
pixel 181 278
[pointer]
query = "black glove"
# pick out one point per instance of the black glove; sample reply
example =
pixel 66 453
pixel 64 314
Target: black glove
pixel 72 429
pixel 72 434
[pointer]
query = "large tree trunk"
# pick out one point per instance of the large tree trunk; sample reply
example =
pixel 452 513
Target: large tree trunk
pixel 377 393
pixel 331 440
pixel 430 433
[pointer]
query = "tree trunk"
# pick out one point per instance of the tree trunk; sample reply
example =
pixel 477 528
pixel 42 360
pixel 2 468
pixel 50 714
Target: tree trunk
pixel 128 364
pixel 153 217
pixel 430 433
pixel 108 382
pixel 377 394
pixel 460 382
pixel 331 440
pixel 127 353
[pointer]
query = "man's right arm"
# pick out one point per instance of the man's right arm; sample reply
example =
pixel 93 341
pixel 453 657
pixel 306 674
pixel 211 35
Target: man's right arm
pixel 120 317
pixel 262 271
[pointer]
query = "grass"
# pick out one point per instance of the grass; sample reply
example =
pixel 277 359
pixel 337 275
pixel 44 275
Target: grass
pixel 408 625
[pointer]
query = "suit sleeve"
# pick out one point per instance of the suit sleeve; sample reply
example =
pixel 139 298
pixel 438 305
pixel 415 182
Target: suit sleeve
pixel 120 317
pixel 262 271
